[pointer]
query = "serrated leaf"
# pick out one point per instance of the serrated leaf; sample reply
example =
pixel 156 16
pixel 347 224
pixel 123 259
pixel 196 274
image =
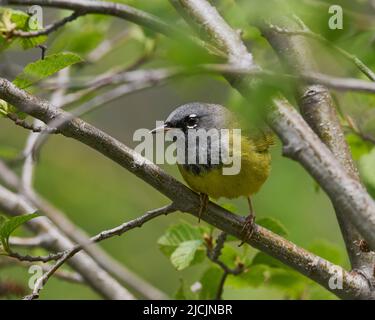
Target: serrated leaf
pixel 273 225
pixel 8 226
pixel 177 234
pixel 210 283
pixel 184 255
pixel 42 69
pixel 17 20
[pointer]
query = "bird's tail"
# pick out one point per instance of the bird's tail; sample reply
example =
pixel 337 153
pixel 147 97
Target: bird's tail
pixel 264 140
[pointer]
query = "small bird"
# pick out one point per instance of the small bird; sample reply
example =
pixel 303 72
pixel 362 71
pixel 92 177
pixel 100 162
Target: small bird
pixel 207 178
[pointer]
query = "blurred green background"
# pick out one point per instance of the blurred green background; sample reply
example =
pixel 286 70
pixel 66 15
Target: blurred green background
pixel 97 194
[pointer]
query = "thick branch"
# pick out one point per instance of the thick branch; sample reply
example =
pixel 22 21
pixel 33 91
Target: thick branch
pixel 319 110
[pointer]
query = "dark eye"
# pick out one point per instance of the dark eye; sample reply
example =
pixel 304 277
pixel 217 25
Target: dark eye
pixel 191 121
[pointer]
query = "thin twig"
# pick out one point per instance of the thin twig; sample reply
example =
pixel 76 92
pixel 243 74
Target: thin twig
pixel 65 275
pixel 49 29
pixel 22 123
pixel 77 235
pixel 64 256
pixel 308 33
pixel 31 242
pixel 214 255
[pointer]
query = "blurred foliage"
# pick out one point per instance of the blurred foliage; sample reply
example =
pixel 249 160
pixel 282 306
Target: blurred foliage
pixel 97 195
pixel 17 20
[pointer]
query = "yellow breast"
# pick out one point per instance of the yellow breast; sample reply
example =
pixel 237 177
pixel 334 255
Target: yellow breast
pixel 255 168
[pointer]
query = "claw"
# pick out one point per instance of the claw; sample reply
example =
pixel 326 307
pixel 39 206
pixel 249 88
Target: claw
pixel 248 227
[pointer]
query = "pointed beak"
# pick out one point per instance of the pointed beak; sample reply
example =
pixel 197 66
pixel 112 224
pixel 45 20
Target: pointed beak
pixel 163 128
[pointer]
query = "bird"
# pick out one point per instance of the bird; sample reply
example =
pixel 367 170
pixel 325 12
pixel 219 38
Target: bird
pixel 207 179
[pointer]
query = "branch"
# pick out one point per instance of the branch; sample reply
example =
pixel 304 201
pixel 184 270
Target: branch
pixel 118 231
pixel 22 123
pixel 308 264
pixel 98 101
pixel 94 276
pixel 149 75
pixel 128 278
pixel 214 254
pixel 308 33
pixel 108 8
pixel 37 241
pixel 49 29
pixel 68 276
pixel 319 110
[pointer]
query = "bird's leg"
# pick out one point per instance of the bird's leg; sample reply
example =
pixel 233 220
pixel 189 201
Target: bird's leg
pixel 248 227
pixel 203 205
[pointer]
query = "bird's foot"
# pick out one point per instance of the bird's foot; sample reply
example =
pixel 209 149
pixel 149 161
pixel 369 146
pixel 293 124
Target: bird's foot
pixel 203 205
pixel 248 228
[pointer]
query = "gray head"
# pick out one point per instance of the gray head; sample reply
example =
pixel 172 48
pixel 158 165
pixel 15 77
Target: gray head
pixel 199 115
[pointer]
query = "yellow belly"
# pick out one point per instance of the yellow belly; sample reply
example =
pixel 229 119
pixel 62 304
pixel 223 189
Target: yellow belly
pixel 255 168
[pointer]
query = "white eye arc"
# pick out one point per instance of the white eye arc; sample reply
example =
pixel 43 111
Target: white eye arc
pixel 192 121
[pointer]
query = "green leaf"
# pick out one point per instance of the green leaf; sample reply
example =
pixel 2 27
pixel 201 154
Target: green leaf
pixel 4 108
pixel 183 244
pixel 273 225
pixel 177 234
pixel 17 20
pixel 184 255
pixel 41 69
pixel 8 226
pixel 229 256
pixel 210 283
